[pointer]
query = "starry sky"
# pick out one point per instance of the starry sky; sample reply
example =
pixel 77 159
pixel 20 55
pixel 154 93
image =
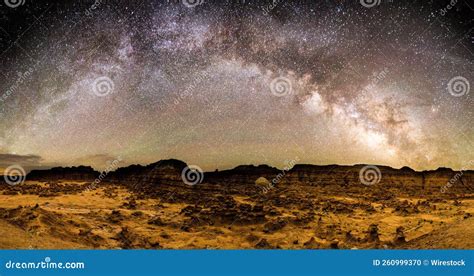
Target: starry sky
pixel 223 83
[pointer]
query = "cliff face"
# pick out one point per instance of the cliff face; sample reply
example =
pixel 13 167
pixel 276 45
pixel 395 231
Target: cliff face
pixel 348 178
pixel 162 172
pixel 81 173
pixel 428 181
pixel 241 175
pixel 168 173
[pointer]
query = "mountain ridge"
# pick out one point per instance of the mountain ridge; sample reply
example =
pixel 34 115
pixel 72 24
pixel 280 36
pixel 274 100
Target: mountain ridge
pixel 181 164
pixel 171 172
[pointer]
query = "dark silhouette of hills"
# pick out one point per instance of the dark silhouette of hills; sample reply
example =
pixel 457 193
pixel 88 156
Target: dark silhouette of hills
pixel 169 172
pixel 85 173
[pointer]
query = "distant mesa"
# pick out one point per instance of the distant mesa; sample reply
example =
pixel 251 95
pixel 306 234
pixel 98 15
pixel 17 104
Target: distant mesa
pixel 161 169
pixel 407 169
pixel 168 172
pixel 162 172
pixel 80 173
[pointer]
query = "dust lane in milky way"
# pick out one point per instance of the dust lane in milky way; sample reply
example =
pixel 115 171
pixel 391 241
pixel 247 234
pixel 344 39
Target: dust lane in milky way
pixel 223 83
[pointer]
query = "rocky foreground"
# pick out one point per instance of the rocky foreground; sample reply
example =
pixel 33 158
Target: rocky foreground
pixel 306 206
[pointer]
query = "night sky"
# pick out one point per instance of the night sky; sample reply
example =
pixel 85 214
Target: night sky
pixel 223 83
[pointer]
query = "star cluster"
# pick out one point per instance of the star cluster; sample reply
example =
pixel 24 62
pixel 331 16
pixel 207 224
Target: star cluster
pixel 223 83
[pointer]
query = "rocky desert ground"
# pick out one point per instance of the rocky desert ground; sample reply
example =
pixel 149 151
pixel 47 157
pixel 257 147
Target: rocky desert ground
pixel 307 207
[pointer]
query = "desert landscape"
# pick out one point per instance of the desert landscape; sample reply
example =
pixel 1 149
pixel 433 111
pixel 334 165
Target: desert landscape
pixel 169 124
pixel 248 207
